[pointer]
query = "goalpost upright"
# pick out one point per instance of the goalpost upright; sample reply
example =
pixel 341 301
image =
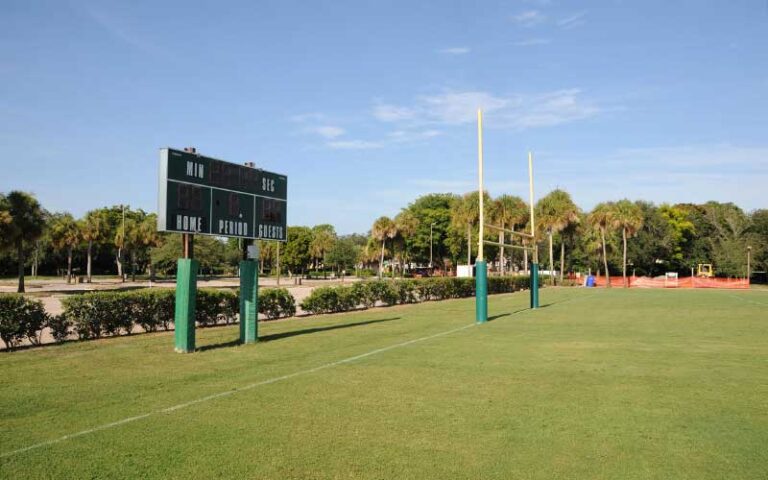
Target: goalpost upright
pixel 481 267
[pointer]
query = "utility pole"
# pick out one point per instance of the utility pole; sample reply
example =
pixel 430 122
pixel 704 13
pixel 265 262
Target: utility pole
pixel 749 270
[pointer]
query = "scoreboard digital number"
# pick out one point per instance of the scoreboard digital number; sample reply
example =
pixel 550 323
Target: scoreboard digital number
pixel 207 196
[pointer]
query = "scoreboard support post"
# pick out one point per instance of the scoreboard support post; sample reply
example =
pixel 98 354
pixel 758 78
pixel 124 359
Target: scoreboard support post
pixel 249 298
pixel 186 296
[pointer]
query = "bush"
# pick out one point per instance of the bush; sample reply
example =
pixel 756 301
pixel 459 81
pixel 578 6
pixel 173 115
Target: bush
pixel 20 318
pixel 383 291
pixel 153 308
pixel 214 306
pixel 276 303
pixel 406 291
pixel 364 295
pixel 322 300
pixel 59 325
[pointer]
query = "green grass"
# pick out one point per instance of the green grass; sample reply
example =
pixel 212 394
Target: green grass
pixel 597 384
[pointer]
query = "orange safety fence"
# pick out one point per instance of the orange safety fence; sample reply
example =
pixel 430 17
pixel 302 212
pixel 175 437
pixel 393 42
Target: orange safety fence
pixel 685 282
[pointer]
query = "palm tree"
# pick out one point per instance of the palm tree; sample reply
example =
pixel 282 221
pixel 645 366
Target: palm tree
pixel 92 228
pixel 466 213
pixel 383 228
pixel 149 238
pixel 323 238
pixel 601 218
pixel 406 225
pixel 628 217
pixel 556 212
pixel 65 235
pixel 23 221
pixel 507 211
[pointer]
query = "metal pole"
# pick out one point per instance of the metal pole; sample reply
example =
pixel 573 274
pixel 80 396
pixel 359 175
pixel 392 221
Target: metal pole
pixel 534 275
pixel 749 270
pixel 481 275
pixel 480 182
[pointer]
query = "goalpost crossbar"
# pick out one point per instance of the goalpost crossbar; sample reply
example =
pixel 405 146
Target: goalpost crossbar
pixel 506 230
pixel 506 245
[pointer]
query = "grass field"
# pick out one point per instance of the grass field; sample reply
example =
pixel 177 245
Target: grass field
pixel 597 384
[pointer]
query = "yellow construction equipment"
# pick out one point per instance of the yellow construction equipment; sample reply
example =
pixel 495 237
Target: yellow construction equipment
pixel 705 270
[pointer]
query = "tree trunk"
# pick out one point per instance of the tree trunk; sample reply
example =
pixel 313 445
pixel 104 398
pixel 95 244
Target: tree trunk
pixel 69 264
pixel 381 261
pixel 501 252
pixel 20 252
pixel 88 266
pixel 624 266
pixel 469 244
pixel 35 259
pixel 551 262
pixel 133 265
pixel 562 259
pixel 525 262
pixel 119 264
pixel 605 259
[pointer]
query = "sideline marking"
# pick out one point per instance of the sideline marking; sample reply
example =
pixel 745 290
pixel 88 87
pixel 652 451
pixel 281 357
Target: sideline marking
pixel 228 393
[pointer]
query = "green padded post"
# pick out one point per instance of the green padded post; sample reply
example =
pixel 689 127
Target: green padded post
pixel 249 301
pixel 534 285
pixel 184 314
pixel 481 291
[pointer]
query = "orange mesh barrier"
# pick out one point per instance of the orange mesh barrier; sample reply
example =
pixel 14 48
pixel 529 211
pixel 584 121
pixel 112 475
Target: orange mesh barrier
pixel 685 282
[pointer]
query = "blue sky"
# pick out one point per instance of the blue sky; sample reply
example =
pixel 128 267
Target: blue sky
pixel 367 105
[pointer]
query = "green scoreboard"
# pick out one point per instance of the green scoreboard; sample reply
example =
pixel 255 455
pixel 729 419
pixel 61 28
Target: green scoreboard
pixel 207 196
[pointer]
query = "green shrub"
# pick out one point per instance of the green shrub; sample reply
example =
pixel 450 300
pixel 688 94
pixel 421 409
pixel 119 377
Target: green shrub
pixel 276 303
pixel 20 318
pixel 214 306
pixel 363 294
pixel 82 311
pixel 322 300
pixel 153 308
pixel 59 325
pixel 383 291
pixel 406 291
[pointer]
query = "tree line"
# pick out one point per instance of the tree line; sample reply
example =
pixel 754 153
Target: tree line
pixel 614 238
pixel 438 230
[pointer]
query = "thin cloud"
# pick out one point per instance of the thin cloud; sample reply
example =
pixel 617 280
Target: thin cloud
pixel 328 131
pixel 528 18
pixel 530 42
pixel 309 117
pixel 455 50
pixel 392 113
pixel 572 21
pixel 516 111
pixel 353 145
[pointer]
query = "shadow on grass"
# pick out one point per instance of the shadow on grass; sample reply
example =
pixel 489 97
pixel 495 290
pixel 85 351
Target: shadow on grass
pixel 294 333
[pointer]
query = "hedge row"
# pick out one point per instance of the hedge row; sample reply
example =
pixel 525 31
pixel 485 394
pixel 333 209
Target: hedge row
pixel 98 314
pixel 392 292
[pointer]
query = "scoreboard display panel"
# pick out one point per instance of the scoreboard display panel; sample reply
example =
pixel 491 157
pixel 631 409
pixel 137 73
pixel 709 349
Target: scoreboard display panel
pixel 207 196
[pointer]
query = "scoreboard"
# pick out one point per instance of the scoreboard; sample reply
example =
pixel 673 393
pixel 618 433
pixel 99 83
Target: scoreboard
pixel 207 196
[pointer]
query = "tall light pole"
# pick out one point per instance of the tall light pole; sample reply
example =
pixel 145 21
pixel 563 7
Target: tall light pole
pixel 430 243
pixel 749 254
